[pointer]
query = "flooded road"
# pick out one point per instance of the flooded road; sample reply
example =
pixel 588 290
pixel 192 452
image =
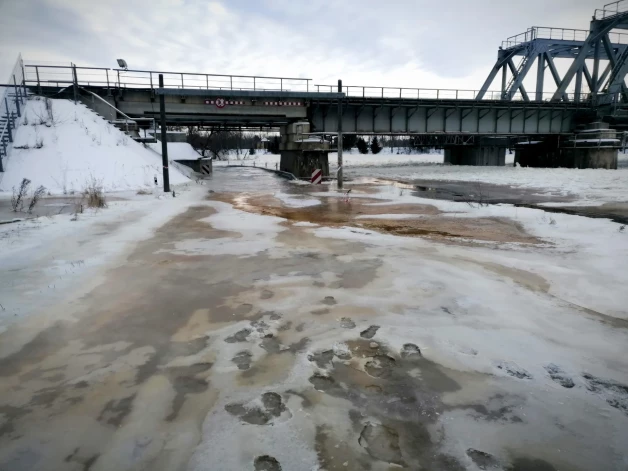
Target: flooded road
pixel 253 332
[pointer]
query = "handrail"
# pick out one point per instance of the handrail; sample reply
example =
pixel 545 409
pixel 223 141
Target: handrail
pixel 135 78
pixel 613 9
pixel 203 75
pixel 10 106
pixel 562 34
pixel 127 117
pixel 107 103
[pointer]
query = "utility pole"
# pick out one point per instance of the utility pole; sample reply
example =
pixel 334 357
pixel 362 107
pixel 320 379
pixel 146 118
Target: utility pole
pixel 164 139
pixel 340 171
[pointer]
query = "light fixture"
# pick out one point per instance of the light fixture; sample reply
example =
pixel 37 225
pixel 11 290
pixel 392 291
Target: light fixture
pixel 122 63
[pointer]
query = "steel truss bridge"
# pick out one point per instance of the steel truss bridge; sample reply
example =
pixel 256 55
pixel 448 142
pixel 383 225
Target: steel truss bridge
pixel 592 88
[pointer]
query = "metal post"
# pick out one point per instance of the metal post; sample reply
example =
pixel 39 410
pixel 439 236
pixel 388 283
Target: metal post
pixel 578 90
pixel 596 68
pixel 9 120
pixel 504 79
pixel 182 86
pixel 540 76
pixel 253 83
pixel 75 79
pixel 231 81
pixel 38 83
pixel 17 98
pixel 164 141
pixel 340 171
pixel 108 89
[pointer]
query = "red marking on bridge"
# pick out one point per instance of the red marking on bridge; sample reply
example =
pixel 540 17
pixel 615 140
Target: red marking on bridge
pixel 221 102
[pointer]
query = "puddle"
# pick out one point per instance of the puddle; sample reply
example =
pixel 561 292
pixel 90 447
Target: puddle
pixel 434 224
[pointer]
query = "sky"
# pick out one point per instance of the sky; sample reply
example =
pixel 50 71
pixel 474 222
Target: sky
pixel 404 43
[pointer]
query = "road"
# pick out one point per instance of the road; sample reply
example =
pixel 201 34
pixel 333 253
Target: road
pixel 244 329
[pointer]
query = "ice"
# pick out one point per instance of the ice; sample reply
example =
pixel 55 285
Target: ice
pixel 295 201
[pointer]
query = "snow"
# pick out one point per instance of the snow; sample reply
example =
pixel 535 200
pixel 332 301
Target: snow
pixel 256 233
pixel 78 146
pixel 296 201
pixel 177 150
pixel 590 186
pixel 351 158
pixel 43 258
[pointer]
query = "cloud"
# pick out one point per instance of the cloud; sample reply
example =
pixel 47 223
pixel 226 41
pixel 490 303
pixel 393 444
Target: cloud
pixel 411 43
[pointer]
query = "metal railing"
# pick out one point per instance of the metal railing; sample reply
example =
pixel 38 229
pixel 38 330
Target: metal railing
pixel 127 119
pixel 429 93
pixel 57 75
pixel 12 99
pixel 611 9
pixel 562 34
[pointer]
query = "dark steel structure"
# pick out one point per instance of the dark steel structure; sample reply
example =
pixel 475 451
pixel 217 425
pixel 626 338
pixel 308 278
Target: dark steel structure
pixel 605 45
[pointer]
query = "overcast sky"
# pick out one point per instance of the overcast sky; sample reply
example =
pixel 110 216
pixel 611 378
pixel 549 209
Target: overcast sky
pixel 410 43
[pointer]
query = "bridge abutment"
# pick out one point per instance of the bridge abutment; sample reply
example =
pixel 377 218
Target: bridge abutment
pixel 596 146
pixel 488 152
pixel 301 153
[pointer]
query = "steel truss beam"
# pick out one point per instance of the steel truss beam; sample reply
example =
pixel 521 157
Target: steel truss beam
pixel 607 82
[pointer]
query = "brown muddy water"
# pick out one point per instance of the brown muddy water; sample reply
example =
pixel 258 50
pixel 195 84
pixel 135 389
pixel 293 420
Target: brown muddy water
pixel 173 351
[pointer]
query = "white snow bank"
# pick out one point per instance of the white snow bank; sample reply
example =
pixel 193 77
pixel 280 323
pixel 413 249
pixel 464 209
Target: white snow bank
pixel 589 185
pixel 177 150
pixel 76 146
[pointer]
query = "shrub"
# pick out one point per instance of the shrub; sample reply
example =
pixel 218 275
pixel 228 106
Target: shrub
pixel 17 199
pixel 37 194
pixel 376 147
pixel 94 195
pixel 362 146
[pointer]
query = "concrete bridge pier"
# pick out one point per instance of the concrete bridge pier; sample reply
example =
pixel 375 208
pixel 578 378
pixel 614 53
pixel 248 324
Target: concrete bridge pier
pixel 596 146
pixel 488 152
pixel 302 153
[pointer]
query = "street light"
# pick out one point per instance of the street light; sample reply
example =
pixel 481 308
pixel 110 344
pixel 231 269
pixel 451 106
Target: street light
pixel 122 64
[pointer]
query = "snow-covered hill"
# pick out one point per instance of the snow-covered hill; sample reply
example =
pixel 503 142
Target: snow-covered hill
pixel 63 146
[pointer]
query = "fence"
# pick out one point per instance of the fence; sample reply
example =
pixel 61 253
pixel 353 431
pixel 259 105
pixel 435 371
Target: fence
pixel 59 76
pixel 12 99
pixel 428 93
pixel 562 34
pixel 611 9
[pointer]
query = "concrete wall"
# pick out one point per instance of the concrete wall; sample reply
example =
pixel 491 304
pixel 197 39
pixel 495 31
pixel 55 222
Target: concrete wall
pixel 99 107
pixel 475 155
pixel 594 157
pixel 302 163
pixel 173 136
pixel 195 109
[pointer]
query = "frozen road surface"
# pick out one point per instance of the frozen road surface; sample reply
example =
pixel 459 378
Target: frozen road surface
pixel 254 324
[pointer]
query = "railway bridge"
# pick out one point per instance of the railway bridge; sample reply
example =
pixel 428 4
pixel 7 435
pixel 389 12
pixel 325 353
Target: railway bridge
pixel 573 120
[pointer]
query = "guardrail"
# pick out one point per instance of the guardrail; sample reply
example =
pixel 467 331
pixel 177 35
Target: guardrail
pixel 428 93
pixel 57 75
pixel 12 98
pixel 127 119
pixel 562 34
pixel 611 9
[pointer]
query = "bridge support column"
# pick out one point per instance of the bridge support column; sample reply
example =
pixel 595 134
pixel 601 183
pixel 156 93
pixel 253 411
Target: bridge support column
pixel 595 147
pixel 301 154
pixel 489 152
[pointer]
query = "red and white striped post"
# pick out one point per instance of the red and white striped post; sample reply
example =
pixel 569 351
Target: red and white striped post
pixel 317 176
